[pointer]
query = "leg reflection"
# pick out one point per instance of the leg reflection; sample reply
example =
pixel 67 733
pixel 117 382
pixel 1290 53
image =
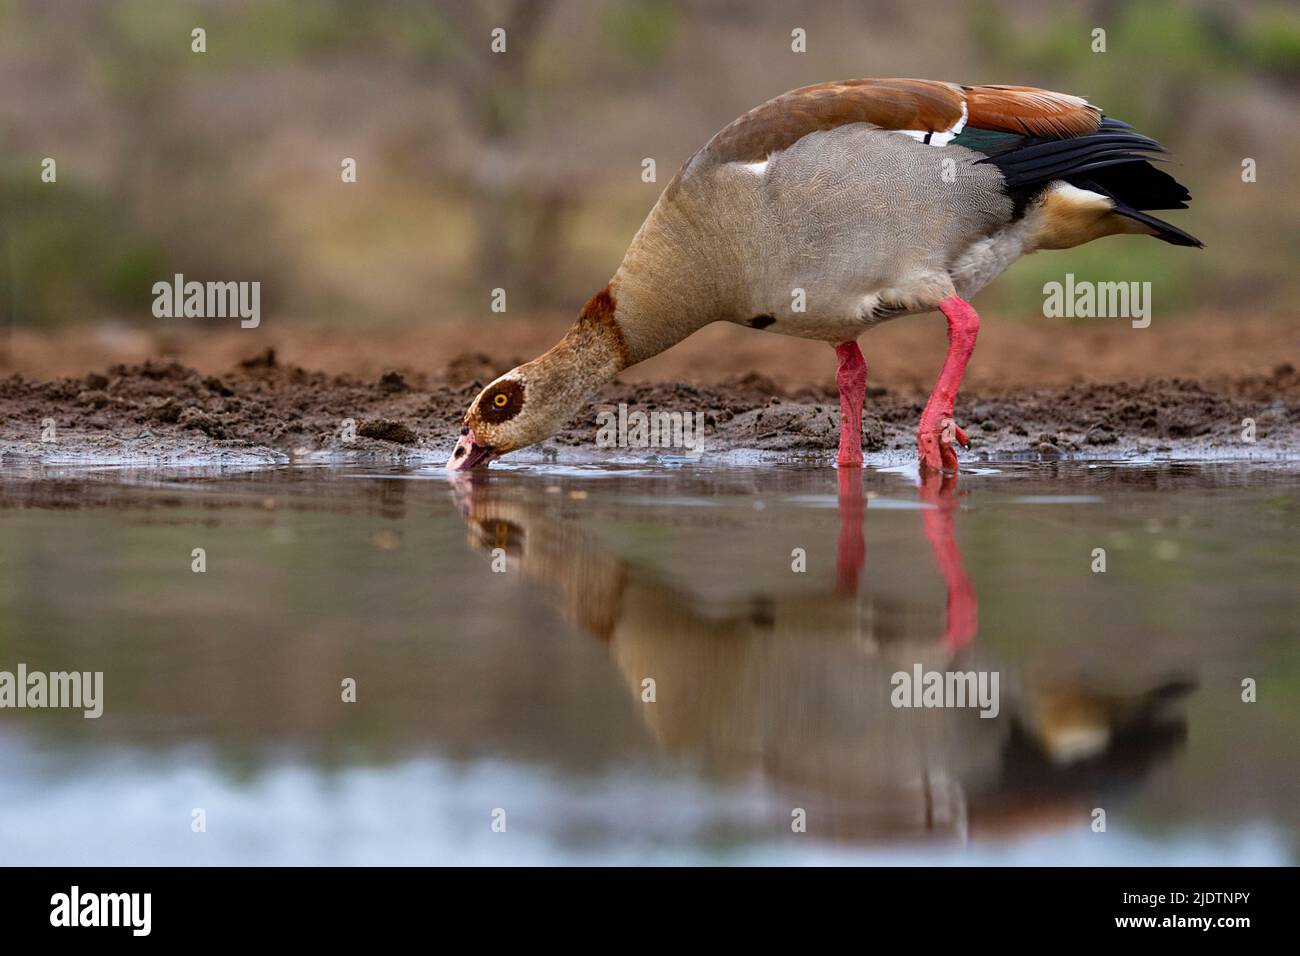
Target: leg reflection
pixel 963 605
pixel 851 551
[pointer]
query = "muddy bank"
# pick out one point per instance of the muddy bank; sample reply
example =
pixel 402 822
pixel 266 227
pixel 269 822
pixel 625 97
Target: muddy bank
pixel 263 410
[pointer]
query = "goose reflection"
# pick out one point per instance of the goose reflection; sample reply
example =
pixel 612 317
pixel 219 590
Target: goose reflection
pixel 794 687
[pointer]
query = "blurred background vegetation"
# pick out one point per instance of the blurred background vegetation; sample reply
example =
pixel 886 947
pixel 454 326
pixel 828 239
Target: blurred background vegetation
pixel 523 170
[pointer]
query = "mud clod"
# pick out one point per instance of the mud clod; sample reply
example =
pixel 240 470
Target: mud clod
pixel 214 384
pixel 168 411
pixel 1099 435
pixel 261 360
pixel 393 382
pixel 388 430
pixel 200 420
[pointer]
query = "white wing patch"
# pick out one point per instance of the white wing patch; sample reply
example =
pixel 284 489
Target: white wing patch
pixel 943 137
pixel 758 169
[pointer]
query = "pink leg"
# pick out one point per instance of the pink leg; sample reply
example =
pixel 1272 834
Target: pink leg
pixel 852 379
pixel 937 427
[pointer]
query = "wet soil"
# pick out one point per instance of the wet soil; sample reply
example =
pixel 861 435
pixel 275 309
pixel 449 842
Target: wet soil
pixel 265 410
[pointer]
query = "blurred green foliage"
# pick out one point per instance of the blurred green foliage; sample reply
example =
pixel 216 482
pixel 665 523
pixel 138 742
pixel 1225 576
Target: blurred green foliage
pixel 1272 40
pixel 70 251
pixel 642 30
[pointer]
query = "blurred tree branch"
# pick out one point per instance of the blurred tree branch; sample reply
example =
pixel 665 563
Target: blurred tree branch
pixel 494 96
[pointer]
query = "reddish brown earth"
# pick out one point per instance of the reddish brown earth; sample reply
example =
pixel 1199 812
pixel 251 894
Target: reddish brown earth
pixel 263 409
pixel 1012 352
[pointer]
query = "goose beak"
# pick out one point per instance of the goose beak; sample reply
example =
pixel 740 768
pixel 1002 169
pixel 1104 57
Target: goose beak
pixel 468 453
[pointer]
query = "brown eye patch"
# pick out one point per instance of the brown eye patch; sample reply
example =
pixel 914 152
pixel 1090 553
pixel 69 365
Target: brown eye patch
pixel 502 402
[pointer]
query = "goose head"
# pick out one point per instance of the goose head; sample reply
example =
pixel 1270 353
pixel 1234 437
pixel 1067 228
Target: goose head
pixel 533 401
pixel 513 412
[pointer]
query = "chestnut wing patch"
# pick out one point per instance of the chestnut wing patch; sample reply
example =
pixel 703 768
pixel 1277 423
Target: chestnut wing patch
pixel 502 402
pixel 923 108
pixel 1035 112
pixel 890 104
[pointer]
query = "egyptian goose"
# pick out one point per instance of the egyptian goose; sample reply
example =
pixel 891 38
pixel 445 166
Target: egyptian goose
pixel 830 209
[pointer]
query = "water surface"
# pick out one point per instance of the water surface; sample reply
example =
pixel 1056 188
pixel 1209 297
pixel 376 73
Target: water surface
pixel 502 632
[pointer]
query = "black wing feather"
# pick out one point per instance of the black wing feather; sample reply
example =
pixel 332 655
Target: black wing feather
pixel 1113 161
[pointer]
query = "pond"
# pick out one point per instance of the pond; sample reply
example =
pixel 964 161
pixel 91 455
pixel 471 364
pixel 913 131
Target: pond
pixel 659 662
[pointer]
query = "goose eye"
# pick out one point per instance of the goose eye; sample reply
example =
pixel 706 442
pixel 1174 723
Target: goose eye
pixel 502 402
